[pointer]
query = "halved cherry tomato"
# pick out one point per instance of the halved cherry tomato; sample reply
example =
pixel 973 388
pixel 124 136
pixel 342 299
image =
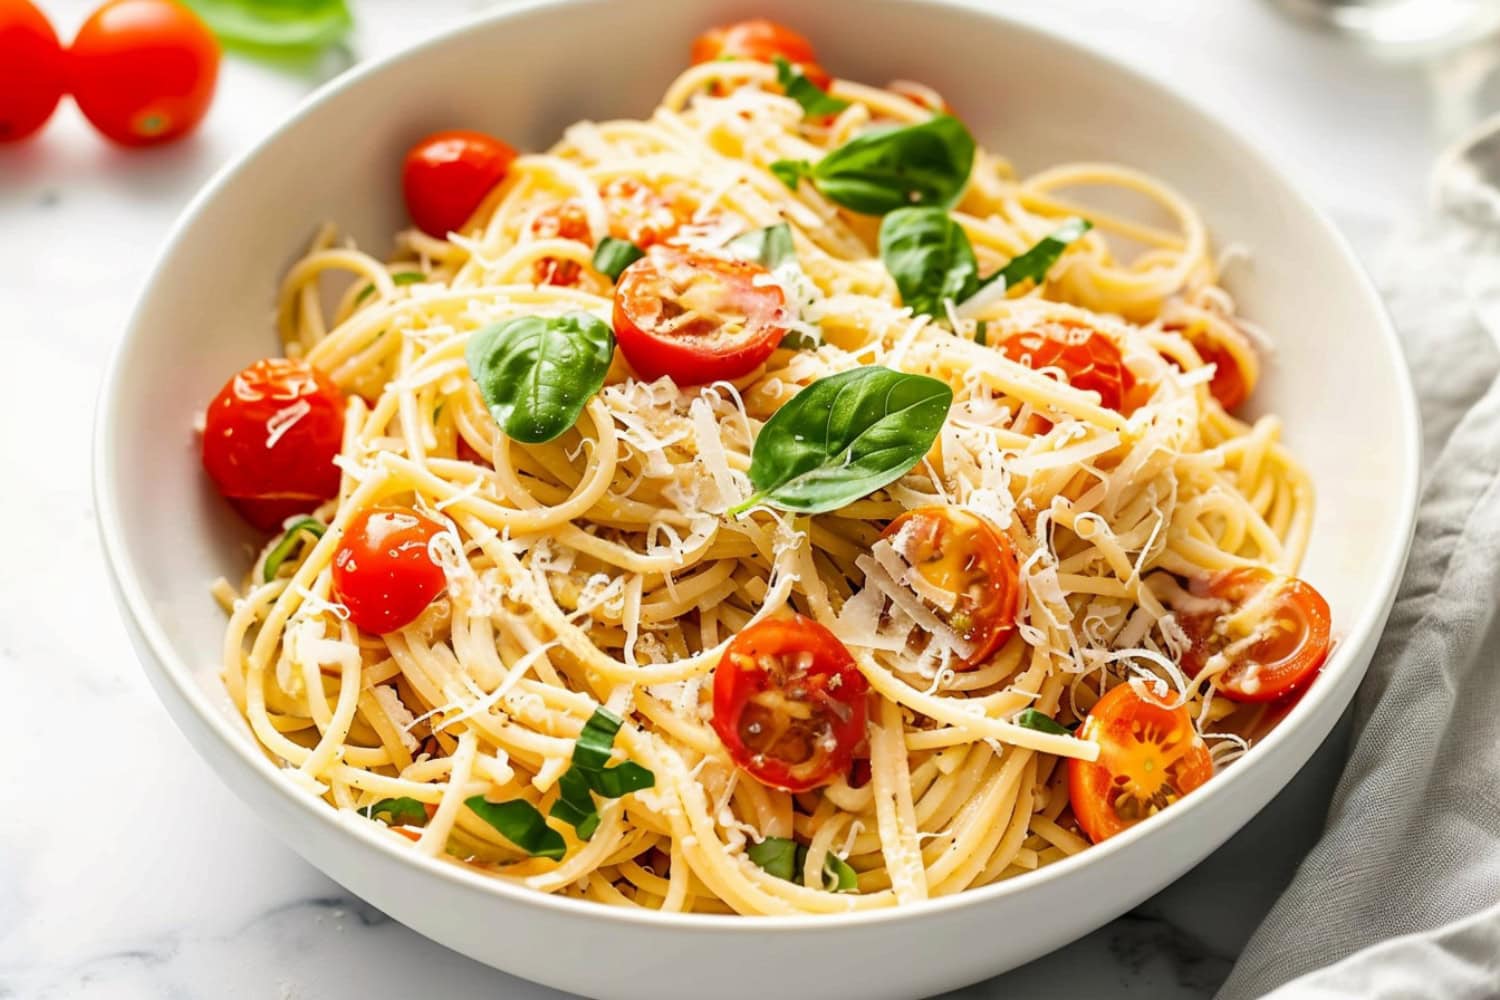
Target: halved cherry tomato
pixel 33 70
pixel 696 318
pixel 143 71
pixel 1087 358
pixel 1149 757
pixel 567 221
pixel 1276 651
pixel 760 40
pixel 269 439
pixel 789 703
pixel 962 553
pixel 1232 382
pixel 383 571
pixel 447 175
pixel 637 213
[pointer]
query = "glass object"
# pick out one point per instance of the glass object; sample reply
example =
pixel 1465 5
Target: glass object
pixel 1402 23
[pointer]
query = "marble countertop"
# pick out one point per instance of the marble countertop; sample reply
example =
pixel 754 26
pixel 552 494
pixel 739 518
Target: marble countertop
pixel 127 870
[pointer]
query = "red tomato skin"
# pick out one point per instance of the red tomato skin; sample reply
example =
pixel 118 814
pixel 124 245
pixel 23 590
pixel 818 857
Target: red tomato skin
pixel 383 571
pixel 760 40
pixel 1090 360
pixel 1287 675
pixel 447 175
pixel 1111 723
pixel 689 359
pixel 144 71
pixel 832 683
pixel 33 70
pixel 269 439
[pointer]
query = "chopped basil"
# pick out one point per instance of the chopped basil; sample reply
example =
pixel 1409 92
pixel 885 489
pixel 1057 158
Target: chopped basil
pixel 521 823
pixel 844 437
pixel 589 774
pixel 815 101
pixel 785 859
pixel 612 256
pixel 401 811
pixel 276 25
pixel 930 257
pixel 770 247
pixel 288 544
pixel 400 278
pixel 889 168
pixel 797 340
pixel 1032 719
pixel 982 333
pixel 537 373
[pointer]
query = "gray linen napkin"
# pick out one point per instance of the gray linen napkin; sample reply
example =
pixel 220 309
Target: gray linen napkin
pixel 1401 896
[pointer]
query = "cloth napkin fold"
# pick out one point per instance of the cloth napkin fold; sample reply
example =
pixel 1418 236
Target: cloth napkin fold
pixel 1401 895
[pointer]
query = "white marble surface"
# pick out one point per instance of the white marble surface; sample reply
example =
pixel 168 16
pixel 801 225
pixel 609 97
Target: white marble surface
pixel 128 871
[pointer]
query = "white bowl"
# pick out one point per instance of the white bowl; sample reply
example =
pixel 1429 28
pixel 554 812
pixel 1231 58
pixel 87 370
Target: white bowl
pixel 524 73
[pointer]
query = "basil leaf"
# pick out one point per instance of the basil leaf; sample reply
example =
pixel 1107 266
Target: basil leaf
pixel 612 256
pixel 1035 263
pixel 777 856
pixel 982 333
pixel 276 24
pixel 403 811
pixel 770 247
pixel 1032 719
pixel 288 544
pixel 797 340
pixel 815 100
pixel 929 256
pixel 588 773
pixel 844 437
pixel 889 168
pixel 521 823
pixel 785 859
pixel 400 278
pixel 537 373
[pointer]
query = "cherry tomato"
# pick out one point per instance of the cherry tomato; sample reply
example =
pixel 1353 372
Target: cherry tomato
pixel 1229 386
pixel 1149 757
pixel 447 175
pixel 269 438
pixel 789 703
pixel 33 70
pixel 1277 651
pixel 696 318
pixel 143 71
pixel 383 571
pixel 1088 359
pixel 567 221
pixel 963 554
pixel 760 40
pixel 638 214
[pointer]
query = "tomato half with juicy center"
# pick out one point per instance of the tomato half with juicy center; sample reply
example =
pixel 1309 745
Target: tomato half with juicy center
pixel 697 318
pixel 962 554
pixel 1149 757
pixel 760 40
pixel 270 437
pixel 1087 358
pixel 789 703
pixel 383 571
pixel 1273 631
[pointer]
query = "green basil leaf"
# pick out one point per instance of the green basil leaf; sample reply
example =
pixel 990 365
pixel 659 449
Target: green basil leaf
pixel 889 168
pixel 982 333
pixel 276 24
pixel 288 544
pixel 770 247
pixel 1034 264
pixel 402 811
pixel 844 437
pixel 521 823
pixel 797 340
pixel 777 856
pixel 1032 719
pixel 400 278
pixel 815 100
pixel 612 256
pixel 785 858
pixel 537 373
pixel 589 773
pixel 929 256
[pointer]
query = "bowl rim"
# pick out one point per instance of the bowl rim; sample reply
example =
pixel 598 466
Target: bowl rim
pixel 170 667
